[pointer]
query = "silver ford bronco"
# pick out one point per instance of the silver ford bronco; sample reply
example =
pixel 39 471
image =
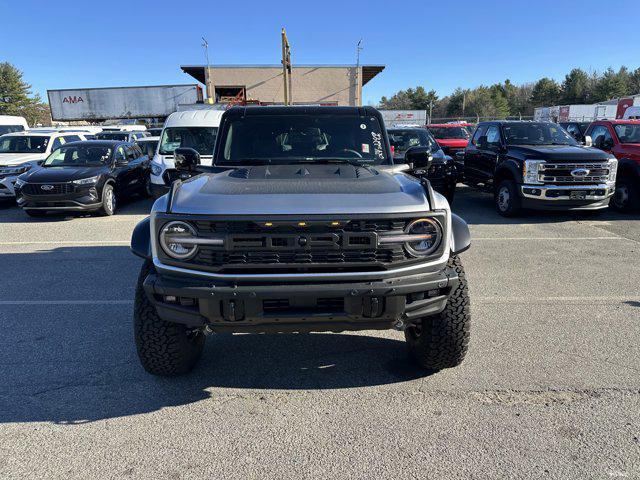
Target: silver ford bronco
pixel 301 224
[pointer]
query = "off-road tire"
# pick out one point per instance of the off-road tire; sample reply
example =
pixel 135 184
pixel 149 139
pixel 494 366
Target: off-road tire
pixel 164 348
pixel 109 204
pixel 441 340
pixel 512 206
pixel 631 202
pixel 35 213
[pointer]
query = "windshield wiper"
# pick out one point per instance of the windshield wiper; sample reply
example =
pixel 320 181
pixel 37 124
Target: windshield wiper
pixel 337 161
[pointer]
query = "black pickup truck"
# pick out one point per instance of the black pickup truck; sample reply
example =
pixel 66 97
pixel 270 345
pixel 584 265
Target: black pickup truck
pixel 537 165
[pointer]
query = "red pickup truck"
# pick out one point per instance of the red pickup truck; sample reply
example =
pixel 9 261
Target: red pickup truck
pixel 622 139
pixel 452 137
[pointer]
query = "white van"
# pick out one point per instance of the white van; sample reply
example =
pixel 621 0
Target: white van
pixel 10 124
pixel 632 113
pixel 21 151
pixel 196 129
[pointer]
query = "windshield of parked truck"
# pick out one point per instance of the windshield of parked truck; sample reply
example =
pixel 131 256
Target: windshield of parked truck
pixel 202 139
pixel 10 129
pixel 287 139
pixel 628 133
pixel 79 156
pixel 123 137
pixel 403 139
pixel 23 144
pixel 536 134
pixel 450 133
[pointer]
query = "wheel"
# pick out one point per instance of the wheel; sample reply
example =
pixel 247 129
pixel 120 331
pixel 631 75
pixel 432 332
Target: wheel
pixel 626 197
pixel 164 348
pixel 441 341
pixel 506 198
pixel 108 200
pixel 35 213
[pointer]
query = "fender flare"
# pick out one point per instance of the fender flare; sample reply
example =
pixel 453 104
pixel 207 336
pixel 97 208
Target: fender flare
pixel 460 235
pixel 512 167
pixel 629 165
pixel 141 239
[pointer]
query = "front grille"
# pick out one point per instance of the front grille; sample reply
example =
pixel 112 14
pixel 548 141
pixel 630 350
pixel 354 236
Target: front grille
pixel 560 173
pixel 309 245
pixel 48 189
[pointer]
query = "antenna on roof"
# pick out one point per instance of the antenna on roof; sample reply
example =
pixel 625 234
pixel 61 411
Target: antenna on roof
pixel 359 48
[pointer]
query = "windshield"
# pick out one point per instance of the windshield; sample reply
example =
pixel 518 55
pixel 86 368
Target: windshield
pixel 628 133
pixel 450 133
pixel 10 129
pixel 112 136
pixel 286 139
pixel 23 144
pixel 536 134
pixel 403 140
pixel 201 139
pixel 79 156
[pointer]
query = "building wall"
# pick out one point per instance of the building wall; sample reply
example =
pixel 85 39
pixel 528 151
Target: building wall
pixel 309 84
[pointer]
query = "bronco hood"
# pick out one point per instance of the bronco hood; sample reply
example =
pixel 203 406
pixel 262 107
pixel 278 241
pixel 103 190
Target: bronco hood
pixel 299 190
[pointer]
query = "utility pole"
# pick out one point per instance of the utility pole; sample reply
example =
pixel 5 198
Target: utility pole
pixel 430 110
pixel 464 101
pixel 207 74
pixel 286 67
pixel 358 50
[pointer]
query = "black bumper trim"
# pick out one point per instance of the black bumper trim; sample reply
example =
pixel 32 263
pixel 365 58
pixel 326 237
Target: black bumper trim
pixel 365 305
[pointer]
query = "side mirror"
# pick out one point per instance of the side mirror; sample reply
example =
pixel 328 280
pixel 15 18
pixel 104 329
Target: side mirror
pixel 482 142
pixel 420 157
pixel 607 144
pixel 186 159
pixel 588 142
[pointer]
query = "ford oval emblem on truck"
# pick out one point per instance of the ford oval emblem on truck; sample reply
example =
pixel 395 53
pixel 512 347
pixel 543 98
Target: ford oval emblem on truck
pixel 46 187
pixel 580 172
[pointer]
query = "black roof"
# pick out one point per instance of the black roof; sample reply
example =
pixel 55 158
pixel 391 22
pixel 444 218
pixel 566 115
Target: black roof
pixel 300 110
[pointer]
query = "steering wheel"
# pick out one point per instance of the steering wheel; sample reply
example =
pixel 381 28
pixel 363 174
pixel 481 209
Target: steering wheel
pixel 351 151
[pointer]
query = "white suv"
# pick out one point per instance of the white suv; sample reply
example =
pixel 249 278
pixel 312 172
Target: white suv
pixel 20 151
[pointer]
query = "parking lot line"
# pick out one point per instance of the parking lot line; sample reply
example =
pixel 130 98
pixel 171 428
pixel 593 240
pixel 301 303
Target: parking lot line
pixel 549 238
pixel 70 242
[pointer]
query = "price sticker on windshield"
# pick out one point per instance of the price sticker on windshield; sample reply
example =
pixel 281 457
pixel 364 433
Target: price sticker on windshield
pixel 365 148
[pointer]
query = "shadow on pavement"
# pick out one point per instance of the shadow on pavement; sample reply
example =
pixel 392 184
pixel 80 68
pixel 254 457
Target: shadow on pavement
pixel 76 362
pixel 477 208
pixel 11 213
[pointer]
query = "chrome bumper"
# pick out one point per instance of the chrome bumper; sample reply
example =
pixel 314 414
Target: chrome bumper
pixel 546 192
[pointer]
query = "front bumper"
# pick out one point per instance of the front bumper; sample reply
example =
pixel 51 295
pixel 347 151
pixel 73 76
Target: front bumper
pixel 566 197
pixel 83 200
pixel 300 307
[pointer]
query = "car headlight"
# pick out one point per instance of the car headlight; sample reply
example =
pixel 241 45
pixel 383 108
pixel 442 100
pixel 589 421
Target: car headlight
pixel 613 170
pixel 177 240
pixel 423 237
pixel 531 170
pixel 87 181
pixel 156 169
pixel 15 170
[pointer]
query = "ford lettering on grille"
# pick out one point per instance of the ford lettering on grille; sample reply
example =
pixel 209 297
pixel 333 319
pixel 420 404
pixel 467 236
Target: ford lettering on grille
pixel 303 241
pixel 46 187
pixel 580 172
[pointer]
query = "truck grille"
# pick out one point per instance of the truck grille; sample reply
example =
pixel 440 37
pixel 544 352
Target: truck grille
pixel 43 189
pixel 286 247
pixel 561 173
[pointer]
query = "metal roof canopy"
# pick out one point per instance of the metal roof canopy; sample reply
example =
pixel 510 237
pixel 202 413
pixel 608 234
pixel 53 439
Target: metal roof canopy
pixel 198 71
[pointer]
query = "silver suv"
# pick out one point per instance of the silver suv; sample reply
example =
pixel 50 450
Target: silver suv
pixel 301 224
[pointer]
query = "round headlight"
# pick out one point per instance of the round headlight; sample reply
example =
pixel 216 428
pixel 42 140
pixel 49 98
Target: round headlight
pixel 428 236
pixel 156 169
pixel 170 240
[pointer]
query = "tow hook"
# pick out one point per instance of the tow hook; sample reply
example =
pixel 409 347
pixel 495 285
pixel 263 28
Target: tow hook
pixel 400 325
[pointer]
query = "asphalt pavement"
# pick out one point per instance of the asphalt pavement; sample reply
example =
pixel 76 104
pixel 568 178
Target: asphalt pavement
pixel 550 387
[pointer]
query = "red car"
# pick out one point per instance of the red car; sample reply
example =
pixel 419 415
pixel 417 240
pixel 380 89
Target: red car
pixel 452 137
pixel 622 139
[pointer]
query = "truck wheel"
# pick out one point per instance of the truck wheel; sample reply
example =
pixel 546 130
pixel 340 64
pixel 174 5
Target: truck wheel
pixel 36 213
pixel 626 197
pixel 108 207
pixel 441 341
pixel 164 348
pixel 506 198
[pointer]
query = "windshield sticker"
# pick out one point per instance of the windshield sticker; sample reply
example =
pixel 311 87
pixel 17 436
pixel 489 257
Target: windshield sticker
pixel 365 148
pixel 363 126
pixel 376 138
